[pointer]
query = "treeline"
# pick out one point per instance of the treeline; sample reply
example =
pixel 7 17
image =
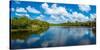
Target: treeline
pixel 25 27
pixel 24 22
pixel 88 24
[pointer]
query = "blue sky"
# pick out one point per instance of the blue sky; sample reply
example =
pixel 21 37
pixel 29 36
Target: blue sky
pixel 53 12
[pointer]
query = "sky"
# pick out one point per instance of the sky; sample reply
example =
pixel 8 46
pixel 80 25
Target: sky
pixel 53 12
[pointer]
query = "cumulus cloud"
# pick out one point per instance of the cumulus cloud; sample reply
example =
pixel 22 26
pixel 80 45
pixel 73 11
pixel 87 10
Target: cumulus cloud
pixel 18 14
pixel 54 6
pixel 44 6
pixel 41 17
pixel 20 9
pixel 75 16
pixel 92 17
pixel 32 9
pixel 79 17
pixel 54 9
pixel 59 14
pixel 12 9
pixel 56 19
pixel 84 8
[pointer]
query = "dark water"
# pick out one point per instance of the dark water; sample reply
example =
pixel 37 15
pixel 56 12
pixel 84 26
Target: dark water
pixel 56 36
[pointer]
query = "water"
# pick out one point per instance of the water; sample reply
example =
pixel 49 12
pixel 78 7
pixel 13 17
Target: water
pixel 57 36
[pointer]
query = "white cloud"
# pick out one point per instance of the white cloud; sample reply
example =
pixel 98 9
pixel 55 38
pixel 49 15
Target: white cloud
pixel 32 9
pixel 54 6
pixel 54 17
pixel 22 15
pixel 92 17
pixel 85 8
pixel 41 17
pixel 44 6
pixel 79 17
pixel 54 10
pixel 12 9
pixel 57 19
pixel 59 14
pixel 20 9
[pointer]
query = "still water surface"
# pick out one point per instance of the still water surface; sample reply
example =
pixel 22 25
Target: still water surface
pixel 56 36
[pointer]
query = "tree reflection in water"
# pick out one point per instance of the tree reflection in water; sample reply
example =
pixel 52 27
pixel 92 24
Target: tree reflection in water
pixel 24 34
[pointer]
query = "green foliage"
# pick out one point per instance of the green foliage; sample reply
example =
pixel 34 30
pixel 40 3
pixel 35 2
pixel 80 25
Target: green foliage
pixel 21 22
pixel 25 27
pixel 25 23
pixel 88 24
pixel 39 23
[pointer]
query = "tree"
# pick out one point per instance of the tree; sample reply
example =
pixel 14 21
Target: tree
pixel 20 22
